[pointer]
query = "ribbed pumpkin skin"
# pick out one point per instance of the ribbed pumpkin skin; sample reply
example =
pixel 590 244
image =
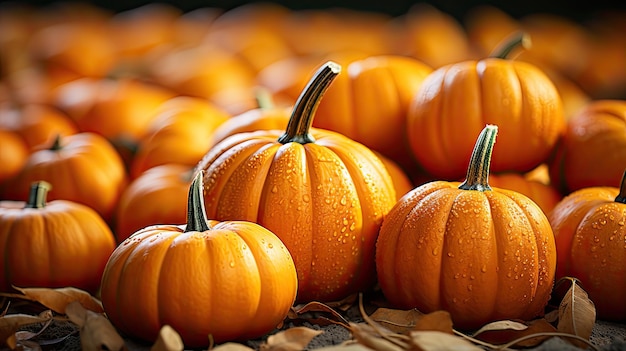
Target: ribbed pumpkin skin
pixel 62 244
pixel 325 200
pixel 234 281
pixel 544 195
pixel 516 96
pixel 590 234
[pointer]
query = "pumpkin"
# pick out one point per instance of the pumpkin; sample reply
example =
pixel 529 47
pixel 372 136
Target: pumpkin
pixel 157 196
pixel 592 151
pixel 323 194
pixel 228 280
pixel 180 118
pixel 52 244
pixel 82 167
pixel 589 229
pixel 544 195
pixel 13 154
pixel 370 104
pixel 482 254
pixel 516 96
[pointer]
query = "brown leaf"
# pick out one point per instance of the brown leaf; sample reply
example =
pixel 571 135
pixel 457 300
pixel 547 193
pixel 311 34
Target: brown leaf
pixel 96 331
pixel 11 323
pixel 292 339
pixel 318 313
pixel 439 341
pixel 168 340
pixel 435 321
pixel 345 347
pixel 577 314
pixel 371 337
pixel 505 332
pixel 231 346
pixel 58 299
pixel 398 321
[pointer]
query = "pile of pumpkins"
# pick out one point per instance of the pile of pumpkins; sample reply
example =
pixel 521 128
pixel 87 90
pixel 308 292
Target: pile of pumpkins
pixel 209 169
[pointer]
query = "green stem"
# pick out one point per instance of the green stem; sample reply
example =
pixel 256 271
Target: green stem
pixel 56 144
pixel 478 170
pixel 38 194
pixel 621 197
pixel 196 213
pixel 302 115
pixel 263 98
pixel 510 43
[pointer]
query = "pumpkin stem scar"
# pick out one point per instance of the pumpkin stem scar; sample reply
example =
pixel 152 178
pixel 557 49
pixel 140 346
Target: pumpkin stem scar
pixel 304 110
pixel 196 214
pixel 621 197
pixel 478 170
pixel 38 194
pixel 510 43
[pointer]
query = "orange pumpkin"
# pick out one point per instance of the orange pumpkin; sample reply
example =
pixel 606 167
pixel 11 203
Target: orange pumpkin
pixel 592 151
pixel 83 168
pixel 52 244
pixel 544 195
pixel 516 96
pixel 181 118
pixel 370 103
pixel 157 196
pixel 480 253
pixel 13 154
pixel 231 280
pixel 589 229
pixel 323 194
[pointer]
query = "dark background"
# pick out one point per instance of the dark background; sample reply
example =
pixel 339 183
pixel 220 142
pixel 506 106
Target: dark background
pixel 577 10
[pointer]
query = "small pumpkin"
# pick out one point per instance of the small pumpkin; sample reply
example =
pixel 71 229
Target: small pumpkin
pixel 52 244
pixel 544 195
pixel 156 196
pixel 480 253
pixel 516 96
pixel 323 194
pixel 589 229
pixel 83 168
pixel 230 280
pixel 592 151
pixel 13 154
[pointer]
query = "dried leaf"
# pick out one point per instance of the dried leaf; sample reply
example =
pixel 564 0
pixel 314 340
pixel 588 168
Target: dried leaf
pixel 435 321
pixel 96 331
pixel 398 321
pixel 58 299
pixel 168 340
pixel 11 323
pixel 318 313
pixel 439 341
pixel 292 339
pixel 368 336
pixel 506 332
pixel 345 347
pixel 231 346
pixel 22 345
pixel 577 314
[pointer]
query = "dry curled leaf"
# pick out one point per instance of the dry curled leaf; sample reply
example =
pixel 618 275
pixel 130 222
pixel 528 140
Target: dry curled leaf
pixel 379 339
pixel 231 346
pixel 11 323
pixel 399 321
pixel 505 332
pixel 168 340
pixel 58 299
pixel 439 341
pixel 317 313
pixel 435 321
pixel 96 331
pixel 292 339
pixel 577 314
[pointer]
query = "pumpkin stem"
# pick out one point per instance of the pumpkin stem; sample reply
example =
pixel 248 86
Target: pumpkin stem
pixel 302 115
pixel 56 143
pixel 621 197
pixel 38 194
pixel 478 170
pixel 510 43
pixel 263 98
pixel 196 213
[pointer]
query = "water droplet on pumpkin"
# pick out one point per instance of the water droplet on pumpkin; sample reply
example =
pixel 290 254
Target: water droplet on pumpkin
pixel 274 189
pixel 232 264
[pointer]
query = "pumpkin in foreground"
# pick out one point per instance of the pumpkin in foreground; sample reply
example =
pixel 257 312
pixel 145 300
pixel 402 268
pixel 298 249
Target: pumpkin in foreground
pixel 590 234
pixel 482 254
pixel 323 194
pixel 231 280
pixel 52 244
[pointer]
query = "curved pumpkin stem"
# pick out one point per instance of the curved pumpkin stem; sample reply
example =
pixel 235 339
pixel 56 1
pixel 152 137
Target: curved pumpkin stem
pixel 302 115
pixel 38 194
pixel 510 43
pixel 621 197
pixel 478 170
pixel 263 97
pixel 56 144
pixel 196 214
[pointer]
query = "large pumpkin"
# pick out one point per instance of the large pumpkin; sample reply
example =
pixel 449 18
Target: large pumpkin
pixel 52 244
pixel 457 100
pixel 322 193
pixel 482 254
pixel 228 280
pixel 589 229
pixel 592 151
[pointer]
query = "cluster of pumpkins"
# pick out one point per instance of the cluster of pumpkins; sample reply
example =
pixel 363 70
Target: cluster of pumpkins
pixel 209 169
